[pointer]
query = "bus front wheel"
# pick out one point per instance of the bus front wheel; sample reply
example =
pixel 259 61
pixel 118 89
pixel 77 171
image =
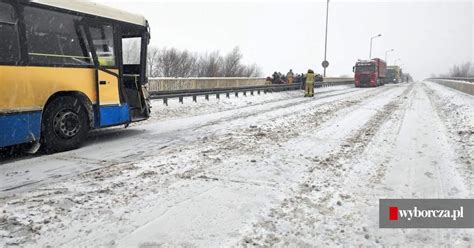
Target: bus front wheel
pixel 65 125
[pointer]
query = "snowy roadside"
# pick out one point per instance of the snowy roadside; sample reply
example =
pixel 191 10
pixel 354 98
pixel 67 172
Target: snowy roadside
pixel 188 108
pixel 457 111
pixel 417 160
pixel 404 151
pixel 176 110
pixel 288 172
pixel 157 183
pixel 309 216
pixel 118 145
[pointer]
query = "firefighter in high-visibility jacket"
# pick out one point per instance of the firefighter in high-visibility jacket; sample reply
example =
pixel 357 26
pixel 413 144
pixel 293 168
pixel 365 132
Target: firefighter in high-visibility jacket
pixel 309 84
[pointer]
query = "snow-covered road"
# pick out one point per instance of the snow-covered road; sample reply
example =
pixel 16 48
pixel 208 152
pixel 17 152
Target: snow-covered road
pixel 277 169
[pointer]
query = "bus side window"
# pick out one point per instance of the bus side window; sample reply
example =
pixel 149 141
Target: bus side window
pixel 9 45
pixel 103 40
pixel 54 39
pixel 131 50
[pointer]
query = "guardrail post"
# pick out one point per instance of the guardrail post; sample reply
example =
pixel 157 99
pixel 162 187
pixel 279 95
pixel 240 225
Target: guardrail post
pixel 181 99
pixel 218 96
pixel 251 92
pixel 207 97
pixel 165 101
pixel 194 98
pixel 258 92
pixel 236 94
pixel 245 93
pixel 227 95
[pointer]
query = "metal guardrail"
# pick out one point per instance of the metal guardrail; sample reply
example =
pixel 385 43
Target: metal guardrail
pixel 172 84
pixel 194 93
pixel 169 84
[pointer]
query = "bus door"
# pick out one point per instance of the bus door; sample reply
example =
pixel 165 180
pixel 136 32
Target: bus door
pixel 111 110
pixel 133 61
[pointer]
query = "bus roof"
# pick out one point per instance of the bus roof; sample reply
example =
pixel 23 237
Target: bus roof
pixel 91 8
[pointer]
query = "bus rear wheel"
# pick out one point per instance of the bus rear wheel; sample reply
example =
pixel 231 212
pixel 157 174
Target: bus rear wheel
pixel 65 125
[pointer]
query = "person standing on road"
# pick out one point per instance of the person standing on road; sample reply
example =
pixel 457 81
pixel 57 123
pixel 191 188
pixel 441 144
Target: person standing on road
pixel 276 78
pixel 309 84
pixel 290 76
pixel 303 81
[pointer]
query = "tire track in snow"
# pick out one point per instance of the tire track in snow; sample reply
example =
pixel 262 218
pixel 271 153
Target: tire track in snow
pixel 209 173
pixel 182 111
pixel 416 163
pixel 126 190
pixel 42 175
pixel 279 129
pixel 182 136
pixel 279 108
pixel 203 172
pixel 458 120
pixel 298 219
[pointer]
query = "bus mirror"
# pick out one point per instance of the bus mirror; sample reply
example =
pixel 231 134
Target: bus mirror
pixel 148 33
pixel 353 69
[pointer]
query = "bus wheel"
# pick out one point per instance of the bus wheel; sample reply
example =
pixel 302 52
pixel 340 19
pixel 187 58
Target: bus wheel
pixel 65 125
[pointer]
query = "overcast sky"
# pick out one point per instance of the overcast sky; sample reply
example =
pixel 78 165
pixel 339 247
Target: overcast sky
pixel 428 36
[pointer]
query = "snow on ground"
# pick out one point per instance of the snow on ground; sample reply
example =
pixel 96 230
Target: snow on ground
pixel 404 154
pixel 457 110
pixel 202 106
pixel 277 169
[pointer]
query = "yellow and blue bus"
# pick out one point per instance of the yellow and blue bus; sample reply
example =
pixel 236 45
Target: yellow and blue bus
pixel 65 69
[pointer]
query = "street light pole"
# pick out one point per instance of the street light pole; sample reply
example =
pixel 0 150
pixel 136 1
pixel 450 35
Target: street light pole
pixel 386 52
pixel 326 38
pixel 371 39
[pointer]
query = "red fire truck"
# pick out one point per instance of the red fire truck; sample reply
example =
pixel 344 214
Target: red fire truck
pixel 370 73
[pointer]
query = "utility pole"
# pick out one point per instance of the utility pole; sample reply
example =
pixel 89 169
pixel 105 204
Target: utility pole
pixel 325 63
pixel 386 53
pixel 371 39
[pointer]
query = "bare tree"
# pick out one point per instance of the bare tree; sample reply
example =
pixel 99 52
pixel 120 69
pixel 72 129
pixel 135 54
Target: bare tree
pixel 171 62
pixel 187 65
pixel 168 61
pixel 232 66
pixel 209 65
pixel 463 70
pixel 152 62
pixel 251 71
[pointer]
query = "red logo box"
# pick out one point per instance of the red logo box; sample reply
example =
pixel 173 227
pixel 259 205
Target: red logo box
pixel 393 213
